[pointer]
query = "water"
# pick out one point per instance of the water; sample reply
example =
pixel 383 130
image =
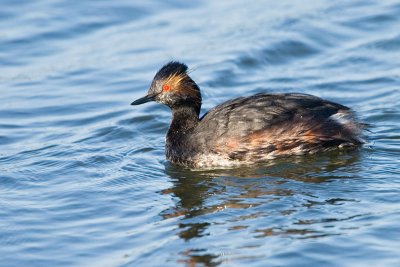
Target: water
pixel 84 180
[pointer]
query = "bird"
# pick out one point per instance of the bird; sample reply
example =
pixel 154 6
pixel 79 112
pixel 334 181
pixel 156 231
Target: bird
pixel 248 129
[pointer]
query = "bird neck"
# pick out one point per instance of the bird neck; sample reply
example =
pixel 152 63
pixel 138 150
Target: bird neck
pixel 184 120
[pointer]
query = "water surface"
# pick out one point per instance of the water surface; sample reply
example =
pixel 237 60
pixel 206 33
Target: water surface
pixel 83 176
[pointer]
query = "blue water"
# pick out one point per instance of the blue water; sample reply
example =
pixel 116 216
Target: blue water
pixel 83 175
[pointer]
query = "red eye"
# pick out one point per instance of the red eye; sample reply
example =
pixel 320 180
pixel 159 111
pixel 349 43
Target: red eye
pixel 166 87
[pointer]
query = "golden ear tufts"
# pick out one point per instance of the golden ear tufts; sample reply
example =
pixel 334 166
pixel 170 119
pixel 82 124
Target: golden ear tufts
pixel 174 80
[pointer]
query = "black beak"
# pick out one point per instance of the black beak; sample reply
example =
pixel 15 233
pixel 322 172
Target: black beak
pixel 143 100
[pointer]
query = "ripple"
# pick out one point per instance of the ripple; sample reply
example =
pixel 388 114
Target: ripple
pixel 387 44
pixel 279 53
pixel 370 22
pixel 109 133
pixel 9 185
pixel 89 120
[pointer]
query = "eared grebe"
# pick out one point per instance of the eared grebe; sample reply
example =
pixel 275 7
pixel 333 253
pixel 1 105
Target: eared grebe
pixel 246 129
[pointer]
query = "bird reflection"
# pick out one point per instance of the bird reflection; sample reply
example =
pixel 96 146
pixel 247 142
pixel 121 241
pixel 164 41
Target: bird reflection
pixel 200 193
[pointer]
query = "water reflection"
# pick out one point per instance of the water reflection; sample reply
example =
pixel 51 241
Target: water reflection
pixel 196 256
pixel 274 193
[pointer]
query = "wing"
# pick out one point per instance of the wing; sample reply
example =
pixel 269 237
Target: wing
pixel 275 122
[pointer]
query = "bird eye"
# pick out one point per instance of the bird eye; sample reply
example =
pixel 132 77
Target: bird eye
pixel 166 87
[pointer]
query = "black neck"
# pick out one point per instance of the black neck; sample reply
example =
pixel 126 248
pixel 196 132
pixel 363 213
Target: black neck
pixel 184 120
